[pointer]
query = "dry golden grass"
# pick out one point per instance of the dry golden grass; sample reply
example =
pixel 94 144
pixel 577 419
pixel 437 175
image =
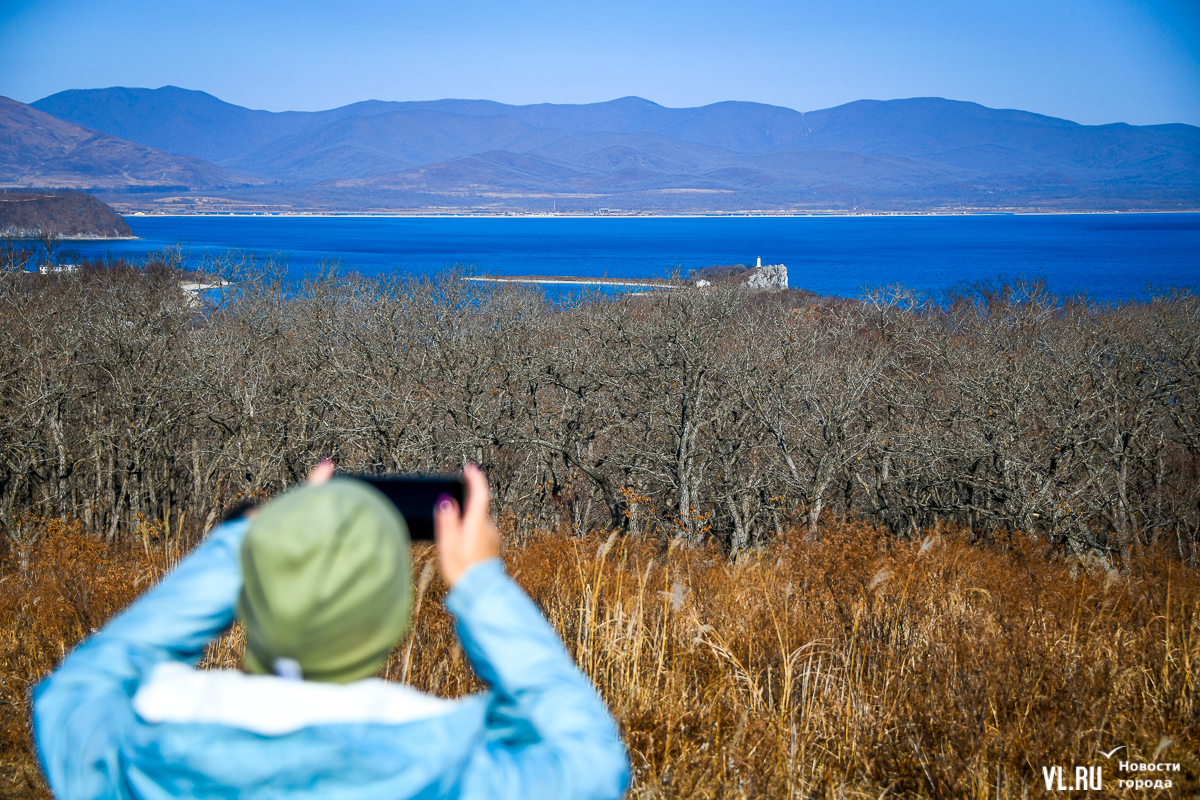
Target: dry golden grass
pixel 855 667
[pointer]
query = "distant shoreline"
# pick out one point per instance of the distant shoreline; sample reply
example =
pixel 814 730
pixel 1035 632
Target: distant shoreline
pixel 86 237
pixel 643 215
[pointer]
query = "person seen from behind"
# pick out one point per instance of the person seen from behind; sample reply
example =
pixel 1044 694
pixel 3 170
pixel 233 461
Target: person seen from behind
pixel 320 578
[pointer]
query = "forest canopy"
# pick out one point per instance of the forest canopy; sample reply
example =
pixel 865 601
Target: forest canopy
pixel 719 414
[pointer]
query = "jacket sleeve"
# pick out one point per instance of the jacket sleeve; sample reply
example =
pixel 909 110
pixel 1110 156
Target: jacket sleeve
pixel 549 734
pixel 81 711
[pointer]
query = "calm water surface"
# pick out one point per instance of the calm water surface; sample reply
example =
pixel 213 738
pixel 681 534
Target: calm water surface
pixel 1108 256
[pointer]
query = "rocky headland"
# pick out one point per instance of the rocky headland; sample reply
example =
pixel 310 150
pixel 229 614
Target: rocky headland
pixel 65 214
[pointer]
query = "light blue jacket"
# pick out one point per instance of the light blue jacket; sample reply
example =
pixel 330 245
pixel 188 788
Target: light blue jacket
pixel 540 732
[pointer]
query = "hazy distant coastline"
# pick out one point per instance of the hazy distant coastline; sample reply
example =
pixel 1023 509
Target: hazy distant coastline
pixel 466 213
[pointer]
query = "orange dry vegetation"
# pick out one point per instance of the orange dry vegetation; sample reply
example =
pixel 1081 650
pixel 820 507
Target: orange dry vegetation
pixel 859 666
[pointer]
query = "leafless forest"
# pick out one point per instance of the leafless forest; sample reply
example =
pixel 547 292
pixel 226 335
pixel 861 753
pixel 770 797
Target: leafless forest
pixel 719 415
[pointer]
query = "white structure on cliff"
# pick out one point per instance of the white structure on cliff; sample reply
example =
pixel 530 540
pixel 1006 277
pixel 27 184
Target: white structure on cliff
pixel 772 276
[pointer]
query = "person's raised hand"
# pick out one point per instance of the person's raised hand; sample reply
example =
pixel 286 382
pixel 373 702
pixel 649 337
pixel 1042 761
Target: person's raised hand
pixel 464 539
pixel 321 473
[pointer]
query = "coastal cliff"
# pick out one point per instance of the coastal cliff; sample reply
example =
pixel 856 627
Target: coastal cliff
pixel 70 215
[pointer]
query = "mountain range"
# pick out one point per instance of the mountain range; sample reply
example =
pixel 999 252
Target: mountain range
pixel 630 153
pixel 39 150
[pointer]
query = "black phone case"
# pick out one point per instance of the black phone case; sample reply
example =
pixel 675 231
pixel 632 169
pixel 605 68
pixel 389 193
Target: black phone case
pixel 415 496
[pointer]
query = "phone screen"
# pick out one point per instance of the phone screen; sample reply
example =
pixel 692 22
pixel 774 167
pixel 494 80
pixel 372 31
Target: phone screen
pixel 415 496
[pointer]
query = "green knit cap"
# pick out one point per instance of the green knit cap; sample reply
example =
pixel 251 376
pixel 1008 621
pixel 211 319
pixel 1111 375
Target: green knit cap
pixel 328 584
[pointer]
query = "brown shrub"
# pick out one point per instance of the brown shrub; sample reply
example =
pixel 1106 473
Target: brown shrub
pixel 63 586
pixel 856 666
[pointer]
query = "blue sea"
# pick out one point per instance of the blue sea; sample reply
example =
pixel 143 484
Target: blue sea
pixel 1107 256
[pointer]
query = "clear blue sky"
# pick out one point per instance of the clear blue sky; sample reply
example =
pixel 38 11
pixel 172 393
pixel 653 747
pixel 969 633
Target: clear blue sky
pixel 1093 61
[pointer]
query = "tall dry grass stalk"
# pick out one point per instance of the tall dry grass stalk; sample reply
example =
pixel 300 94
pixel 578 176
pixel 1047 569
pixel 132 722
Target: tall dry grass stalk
pixel 858 666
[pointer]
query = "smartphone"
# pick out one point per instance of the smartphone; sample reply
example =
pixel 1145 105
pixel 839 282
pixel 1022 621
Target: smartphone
pixel 415 496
